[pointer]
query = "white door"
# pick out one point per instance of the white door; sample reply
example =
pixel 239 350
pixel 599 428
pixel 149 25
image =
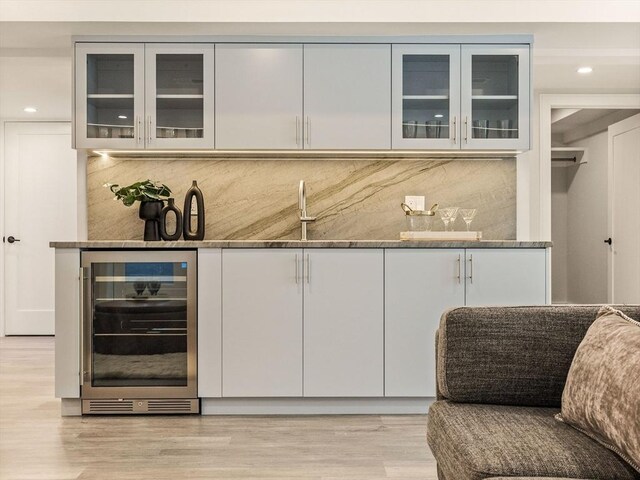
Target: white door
pixel 109 94
pixel 624 208
pixel 347 96
pixel 258 96
pixel 420 284
pixel 343 323
pixel 426 96
pixel 40 206
pixel 505 276
pixel 179 95
pixel 261 323
pixel 495 95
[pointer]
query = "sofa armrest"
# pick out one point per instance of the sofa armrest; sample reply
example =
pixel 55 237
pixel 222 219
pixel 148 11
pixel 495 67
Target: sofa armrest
pixel 511 355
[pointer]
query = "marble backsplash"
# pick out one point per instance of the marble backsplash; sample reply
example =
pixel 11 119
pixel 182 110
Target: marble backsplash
pixel 353 199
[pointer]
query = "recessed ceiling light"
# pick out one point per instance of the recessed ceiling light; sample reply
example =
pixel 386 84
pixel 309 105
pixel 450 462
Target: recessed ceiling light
pixel 438 115
pixel 122 116
pixel 585 70
pixel 30 109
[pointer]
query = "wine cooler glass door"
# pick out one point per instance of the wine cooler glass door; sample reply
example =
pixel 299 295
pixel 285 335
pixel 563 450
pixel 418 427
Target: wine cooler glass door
pixel 140 330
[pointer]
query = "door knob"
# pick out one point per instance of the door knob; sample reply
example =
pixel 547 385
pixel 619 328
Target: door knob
pixel 609 241
pixel 12 239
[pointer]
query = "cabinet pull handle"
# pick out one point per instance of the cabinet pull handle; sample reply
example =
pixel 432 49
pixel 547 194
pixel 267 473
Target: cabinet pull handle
pixel 466 129
pixel 149 131
pixel 459 268
pixel 138 129
pixel 308 131
pixel 297 281
pixel 297 131
pixel 308 269
pixel 81 327
pixel 455 139
pixel 471 268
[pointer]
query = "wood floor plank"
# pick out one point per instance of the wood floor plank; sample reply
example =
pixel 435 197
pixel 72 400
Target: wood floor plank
pixel 37 444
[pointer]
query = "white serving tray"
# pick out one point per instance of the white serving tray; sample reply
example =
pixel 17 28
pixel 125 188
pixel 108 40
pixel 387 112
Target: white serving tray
pixel 469 236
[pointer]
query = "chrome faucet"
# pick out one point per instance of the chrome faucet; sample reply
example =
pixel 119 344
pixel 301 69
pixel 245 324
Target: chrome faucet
pixel 302 205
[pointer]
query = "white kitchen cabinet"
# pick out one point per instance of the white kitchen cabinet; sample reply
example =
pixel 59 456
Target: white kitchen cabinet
pixel 426 96
pixel 262 323
pixel 420 284
pixel 209 322
pixel 495 97
pixel 347 96
pixel 258 96
pixel 109 95
pixel 179 95
pixel 505 276
pixel 343 323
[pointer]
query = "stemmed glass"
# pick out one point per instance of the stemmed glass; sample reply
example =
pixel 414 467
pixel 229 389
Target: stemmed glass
pixel 468 214
pixel 454 217
pixel 446 214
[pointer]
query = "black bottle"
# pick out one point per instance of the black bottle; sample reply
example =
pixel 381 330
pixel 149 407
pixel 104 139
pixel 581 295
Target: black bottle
pixel 194 193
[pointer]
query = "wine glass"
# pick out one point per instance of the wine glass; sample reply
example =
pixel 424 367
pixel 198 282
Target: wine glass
pixel 468 214
pixel 446 214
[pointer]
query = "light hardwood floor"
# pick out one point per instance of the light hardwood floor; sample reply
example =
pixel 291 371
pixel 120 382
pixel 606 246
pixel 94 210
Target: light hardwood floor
pixel 36 443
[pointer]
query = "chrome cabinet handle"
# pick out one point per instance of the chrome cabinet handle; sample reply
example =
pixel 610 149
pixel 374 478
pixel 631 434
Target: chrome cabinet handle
pixel 81 329
pixel 308 269
pixel 297 131
pixel 466 129
pixel 471 268
pixel 296 259
pixel 455 139
pixel 459 268
pixel 149 131
pixel 308 131
pixel 136 129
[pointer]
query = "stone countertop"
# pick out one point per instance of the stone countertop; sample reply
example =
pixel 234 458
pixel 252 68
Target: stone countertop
pixel 133 244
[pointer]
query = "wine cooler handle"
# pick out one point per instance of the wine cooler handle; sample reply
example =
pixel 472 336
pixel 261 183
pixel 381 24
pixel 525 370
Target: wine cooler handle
pixel 81 327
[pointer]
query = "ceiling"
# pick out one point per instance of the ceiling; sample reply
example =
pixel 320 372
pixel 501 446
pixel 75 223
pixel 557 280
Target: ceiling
pixel 35 57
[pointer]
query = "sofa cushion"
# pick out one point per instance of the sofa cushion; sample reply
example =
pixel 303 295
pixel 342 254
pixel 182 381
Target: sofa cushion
pixel 473 442
pixel 533 478
pixel 602 395
pixel 511 355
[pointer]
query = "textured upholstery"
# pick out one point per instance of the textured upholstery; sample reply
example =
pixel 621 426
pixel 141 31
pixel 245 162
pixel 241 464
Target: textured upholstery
pixel 511 355
pixel 473 442
pixel 533 478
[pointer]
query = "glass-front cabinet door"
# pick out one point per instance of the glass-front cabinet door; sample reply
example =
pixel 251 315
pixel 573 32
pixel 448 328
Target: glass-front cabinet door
pixel 179 96
pixel 426 96
pixel 139 325
pixel 495 97
pixel 109 98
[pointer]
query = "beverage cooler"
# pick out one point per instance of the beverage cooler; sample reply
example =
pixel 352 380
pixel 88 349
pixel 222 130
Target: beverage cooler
pixel 139 332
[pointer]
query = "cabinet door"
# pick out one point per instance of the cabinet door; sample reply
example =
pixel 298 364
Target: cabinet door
pixel 419 286
pixel 347 96
pixel 426 96
pixel 261 323
pixel 179 95
pixel 343 323
pixel 505 276
pixel 495 97
pixel 258 96
pixel 109 95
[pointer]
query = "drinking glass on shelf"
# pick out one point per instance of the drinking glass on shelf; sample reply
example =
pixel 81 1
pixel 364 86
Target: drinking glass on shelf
pixel 446 214
pixel 409 129
pixel 468 214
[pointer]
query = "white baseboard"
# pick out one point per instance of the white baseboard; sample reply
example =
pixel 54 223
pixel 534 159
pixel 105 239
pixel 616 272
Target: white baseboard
pixel 315 406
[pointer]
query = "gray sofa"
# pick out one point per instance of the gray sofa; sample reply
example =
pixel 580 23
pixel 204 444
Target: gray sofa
pixel 500 375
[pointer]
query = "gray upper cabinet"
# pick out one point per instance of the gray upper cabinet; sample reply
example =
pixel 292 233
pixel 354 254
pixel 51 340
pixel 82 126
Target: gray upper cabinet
pixel 179 96
pixel 347 96
pixel 426 96
pixel 109 95
pixel 495 97
pixel 259 96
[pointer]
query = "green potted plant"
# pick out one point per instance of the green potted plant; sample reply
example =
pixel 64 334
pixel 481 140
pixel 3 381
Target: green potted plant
pixel 151 195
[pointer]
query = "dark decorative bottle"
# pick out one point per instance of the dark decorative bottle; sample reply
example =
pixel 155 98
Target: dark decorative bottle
pixel 171 207
pixel 194 193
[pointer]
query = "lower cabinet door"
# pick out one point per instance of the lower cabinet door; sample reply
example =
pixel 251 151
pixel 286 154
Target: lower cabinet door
pixel 420 284
pixel 343 323
pixel 505 276
pixel 262 323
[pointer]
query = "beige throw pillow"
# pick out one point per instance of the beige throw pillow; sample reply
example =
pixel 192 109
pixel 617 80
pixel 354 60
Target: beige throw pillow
pixel 602 395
